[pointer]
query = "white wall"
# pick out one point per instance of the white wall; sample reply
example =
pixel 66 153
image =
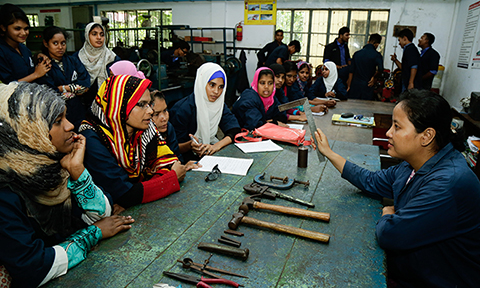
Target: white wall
pixel 459 82
pixel 432 16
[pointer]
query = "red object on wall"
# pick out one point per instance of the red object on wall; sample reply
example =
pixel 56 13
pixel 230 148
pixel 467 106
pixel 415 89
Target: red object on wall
pixel 239 29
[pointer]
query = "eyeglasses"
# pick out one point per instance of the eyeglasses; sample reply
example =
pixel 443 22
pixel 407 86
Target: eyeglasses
pixel 144 104
pixel 214 174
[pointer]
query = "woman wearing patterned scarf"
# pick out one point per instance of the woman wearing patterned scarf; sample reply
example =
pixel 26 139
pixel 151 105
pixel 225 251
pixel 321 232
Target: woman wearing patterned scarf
pixel 46 194
pixel 258 105
pixel 124 153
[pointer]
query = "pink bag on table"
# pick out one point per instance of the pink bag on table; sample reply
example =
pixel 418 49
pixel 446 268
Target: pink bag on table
pixel 283 134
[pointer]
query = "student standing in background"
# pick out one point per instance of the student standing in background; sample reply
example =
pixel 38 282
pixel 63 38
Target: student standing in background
pixel 410 60
pixel 429 60
pixel 268 49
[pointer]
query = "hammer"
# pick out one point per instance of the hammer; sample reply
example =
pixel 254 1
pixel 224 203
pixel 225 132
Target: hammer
pixel 251 203
pixel 240 217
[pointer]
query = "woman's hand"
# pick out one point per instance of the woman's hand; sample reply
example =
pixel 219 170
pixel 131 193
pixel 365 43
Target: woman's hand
pixel 112 225
pixel 320 108
pixel 42 68
pixel 330 94
pixel 322 142
pixel 180 170
pixel 209 149
pixel 198 147
pixel 281 124
pixel 388 210
pixel 73 161
pixel 192 165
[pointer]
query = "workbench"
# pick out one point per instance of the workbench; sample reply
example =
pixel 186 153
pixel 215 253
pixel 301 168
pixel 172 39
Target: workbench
pixel 171 228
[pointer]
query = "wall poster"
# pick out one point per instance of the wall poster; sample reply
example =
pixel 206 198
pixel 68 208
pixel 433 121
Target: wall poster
pixel 470 49
pixel 260 12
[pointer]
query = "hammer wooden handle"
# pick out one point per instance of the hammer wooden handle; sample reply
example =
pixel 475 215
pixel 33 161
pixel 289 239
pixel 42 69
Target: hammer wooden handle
pixel 293 211
pixel 288 229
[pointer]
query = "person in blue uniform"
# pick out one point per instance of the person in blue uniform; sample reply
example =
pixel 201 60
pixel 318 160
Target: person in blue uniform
pixel 429 60
pixel 172 57
pixel 51 213
pixel 67 75
pixel 301 88
pixel 96 58
pixel 291 72
pixel 282 53
pixel 431 235
pixel 410 60
pixel 16 63
pixel 279 73
pixel 338 53
pixel 199 115
pixel 367 64
pixel 258 105
pixel 263 54
pixel 328 85
pixel 160 117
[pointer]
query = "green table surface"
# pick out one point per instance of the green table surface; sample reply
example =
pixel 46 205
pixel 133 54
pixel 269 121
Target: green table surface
pixel 171 228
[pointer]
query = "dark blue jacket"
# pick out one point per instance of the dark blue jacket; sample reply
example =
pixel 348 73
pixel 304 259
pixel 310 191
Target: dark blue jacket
pixel 172 142
pixel 73 73
pixel 292 94
pixel 301 93
pixel 280 95
pixel 268 49
pixel 410 59
pixel 279 52
pixel 25 250
pixel 433 239
pixel 250 111
pixel 332 53
pixel 365 64
pixel 428 62
pixel 14 66
pixel 318 89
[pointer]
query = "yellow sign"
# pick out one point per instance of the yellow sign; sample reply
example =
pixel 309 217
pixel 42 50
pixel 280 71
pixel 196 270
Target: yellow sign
pixel 260 12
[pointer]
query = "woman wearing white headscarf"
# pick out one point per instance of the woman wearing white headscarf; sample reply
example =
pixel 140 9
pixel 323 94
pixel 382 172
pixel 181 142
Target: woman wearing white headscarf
pixel 96 58
pixel 200 114
pixel 329 85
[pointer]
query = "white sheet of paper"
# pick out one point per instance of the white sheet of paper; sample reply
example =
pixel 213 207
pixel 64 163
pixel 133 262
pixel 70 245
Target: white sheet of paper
pixel 262 146
pixel 227 165
pixel 318 113
pixel 296 126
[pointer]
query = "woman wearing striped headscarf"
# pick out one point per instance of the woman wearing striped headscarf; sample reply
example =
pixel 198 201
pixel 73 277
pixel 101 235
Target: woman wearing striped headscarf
pixel 124 152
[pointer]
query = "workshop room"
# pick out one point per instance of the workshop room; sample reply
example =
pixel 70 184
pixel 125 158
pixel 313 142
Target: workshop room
pixel 343 138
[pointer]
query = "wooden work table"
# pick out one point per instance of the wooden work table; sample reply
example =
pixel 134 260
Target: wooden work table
pixel 171 228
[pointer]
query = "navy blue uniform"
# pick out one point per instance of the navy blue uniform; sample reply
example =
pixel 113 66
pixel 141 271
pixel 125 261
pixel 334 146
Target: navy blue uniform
pixel 293 95
pixel 279 52
pixel 167 57
pixel 250 111
pixel 14 66
pixel 299 93
pixel 318 89
pixel 333 52
pixel 433 239
pixel 280 95
pixel 268 49
pixel 172 142
pixel 429 60
pixel 410 59
pixel 365 64
pixel 73 73
pixel 28 254
pixel 183 117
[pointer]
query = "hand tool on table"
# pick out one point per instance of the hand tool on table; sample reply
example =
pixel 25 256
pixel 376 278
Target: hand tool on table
pixel 226 250
pixel 253 202
pixel 200 282
pixel 255 188
pixel 231 232
pixel 228 241
pixel 204 266
pixel 260 179
pixel 188 265
pixel 240 217
pixel 308 113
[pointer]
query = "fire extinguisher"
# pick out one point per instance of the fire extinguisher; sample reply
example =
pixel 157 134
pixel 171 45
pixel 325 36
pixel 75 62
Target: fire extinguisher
pixel 239 29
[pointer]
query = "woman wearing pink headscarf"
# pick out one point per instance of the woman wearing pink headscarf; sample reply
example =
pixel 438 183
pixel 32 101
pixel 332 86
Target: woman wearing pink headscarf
pixel 258 105
pixel 125 67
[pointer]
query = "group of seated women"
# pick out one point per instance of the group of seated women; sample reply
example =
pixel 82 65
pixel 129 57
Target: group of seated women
pixel 61 192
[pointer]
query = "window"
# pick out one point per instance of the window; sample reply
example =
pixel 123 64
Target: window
pixel 33 19
pixel 316 28
pixel 135 19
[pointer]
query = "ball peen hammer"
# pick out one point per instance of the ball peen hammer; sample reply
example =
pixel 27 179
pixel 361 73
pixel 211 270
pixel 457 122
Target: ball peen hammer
pixel 240 217
pixel 252 203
